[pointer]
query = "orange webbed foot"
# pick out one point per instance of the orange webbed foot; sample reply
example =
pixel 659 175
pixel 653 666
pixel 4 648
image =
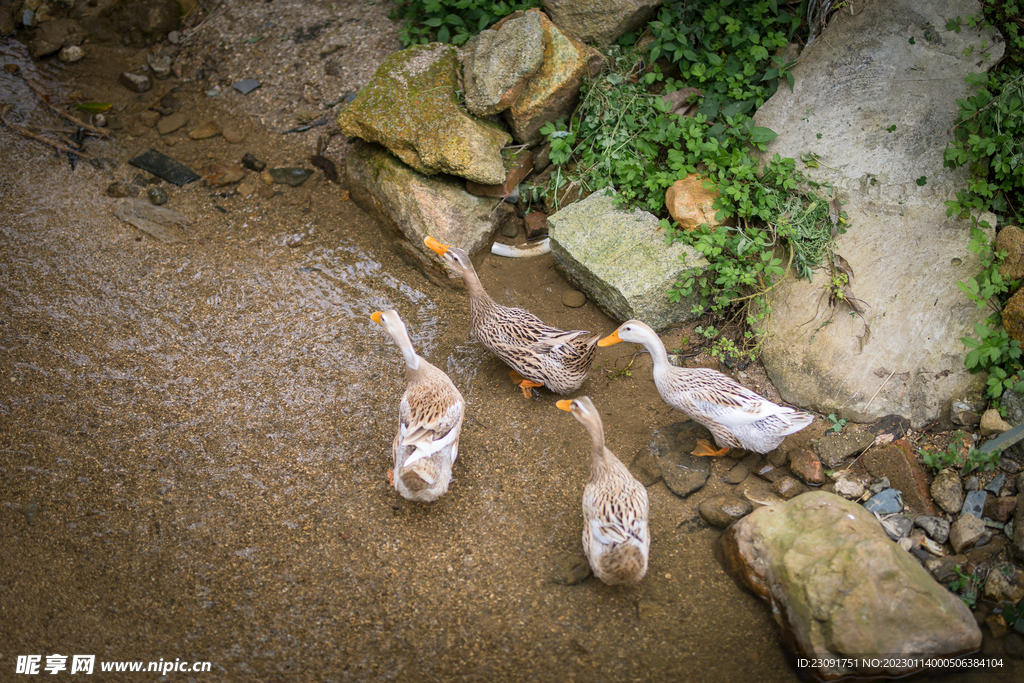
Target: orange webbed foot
pixel 391 478
pixel 705 450
pixel 525 384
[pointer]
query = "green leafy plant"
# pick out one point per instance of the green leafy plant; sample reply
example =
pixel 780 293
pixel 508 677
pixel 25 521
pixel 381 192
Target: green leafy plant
pixel 450 21
pixel 837 424
pixel 991 350
pixel 989 139
pixel 939 460
pixel 965 585
pixel 727 48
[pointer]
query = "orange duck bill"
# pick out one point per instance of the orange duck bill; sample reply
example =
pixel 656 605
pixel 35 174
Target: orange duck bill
pixel 375 317
pixel 564 404
pixel 612 338
pixel 435 246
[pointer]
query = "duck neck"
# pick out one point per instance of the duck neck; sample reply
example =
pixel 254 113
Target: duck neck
pixel 412 359
pixel 597 447
pixel 479 300
pixel 658 354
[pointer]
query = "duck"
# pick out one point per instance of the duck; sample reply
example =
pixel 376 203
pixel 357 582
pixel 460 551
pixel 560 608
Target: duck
pixel 616 538
pixel 540 355
pixel 736 416
pixel 429 421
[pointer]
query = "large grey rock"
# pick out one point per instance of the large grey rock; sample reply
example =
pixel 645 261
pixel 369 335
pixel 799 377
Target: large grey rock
pixel 410 107
pixel 861 77
pixel 600 22
pixel 498 63
pixel 416 205
pixel 840 587
pixel 620 260
pixel 554 89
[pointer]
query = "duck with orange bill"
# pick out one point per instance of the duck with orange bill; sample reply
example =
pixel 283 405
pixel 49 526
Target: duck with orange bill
pixel 736 416
pixel 616 538
pixel 429 422
pixel 540 355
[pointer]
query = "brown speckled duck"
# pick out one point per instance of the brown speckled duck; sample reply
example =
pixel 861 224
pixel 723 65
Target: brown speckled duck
pixel 736 416
pixel 615 534
pixel 430 419
pixel 540 354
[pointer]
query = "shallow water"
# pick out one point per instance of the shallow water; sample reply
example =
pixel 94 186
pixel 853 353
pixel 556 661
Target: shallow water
pixel 194 441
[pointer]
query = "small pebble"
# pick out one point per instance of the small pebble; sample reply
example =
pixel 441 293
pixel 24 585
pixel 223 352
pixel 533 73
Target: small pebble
pixel 157 195
pixel 159 64
pixel 972 484
pixel 174 37
pixel 573 299
pixel 879 485
pixel 974 503
pixel 71 54
pixel 253 164
pixel 135 82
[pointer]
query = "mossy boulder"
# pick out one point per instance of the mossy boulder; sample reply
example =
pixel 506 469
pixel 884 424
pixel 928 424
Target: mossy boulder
pixel 415 205
pixel 842 590
pixel 410 107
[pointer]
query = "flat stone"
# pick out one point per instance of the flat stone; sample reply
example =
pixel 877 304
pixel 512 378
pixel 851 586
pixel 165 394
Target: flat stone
pixel 974 504
pixel 254 164
pixel 836 448
pixel 619 259
pixel 164 167
pixel 246 85
pixel 887 502
pixel 948 492
pixel 169 124
pixel 737 474
pixel 573 298
pixel 806 465
pixel 645 467
pixel 232 136
pixel 936 527
pixel 995 484
pixel 899 464
pixel 723 509
pixel 1000 509
pixel 788 488
pixel 849 486
pixel 965 532
pixel 897 526
pixel 292 177
pixel 135 82
pixel 222 173
pixel 204 131
pixel 683 473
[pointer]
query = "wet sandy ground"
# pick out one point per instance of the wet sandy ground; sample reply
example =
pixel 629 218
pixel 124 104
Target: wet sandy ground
pixel 194 441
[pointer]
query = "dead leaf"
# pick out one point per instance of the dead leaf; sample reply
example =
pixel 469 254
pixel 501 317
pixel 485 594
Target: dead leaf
pixel 881 372
pixel 843 266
